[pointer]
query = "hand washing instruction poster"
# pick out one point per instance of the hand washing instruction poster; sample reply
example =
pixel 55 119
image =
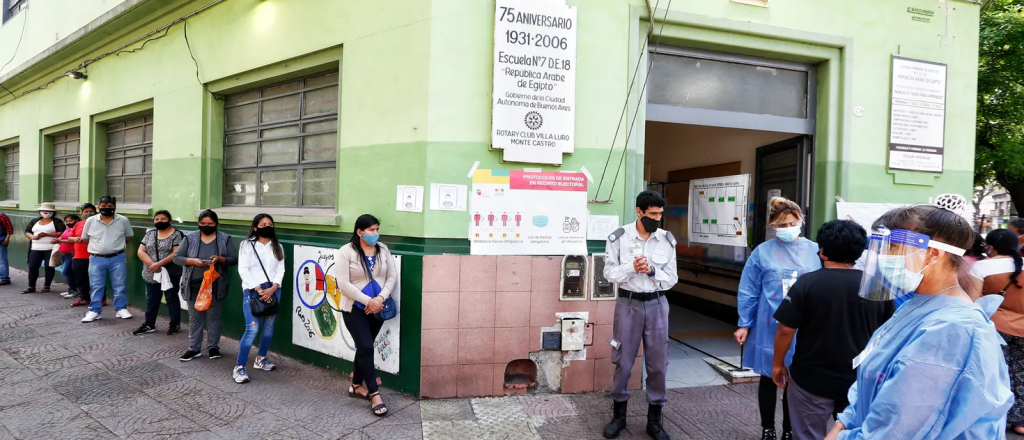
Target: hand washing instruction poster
pixel 528 213
pixel 317 322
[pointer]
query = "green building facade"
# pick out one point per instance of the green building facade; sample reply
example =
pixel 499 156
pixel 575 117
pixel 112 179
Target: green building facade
pixel 316 110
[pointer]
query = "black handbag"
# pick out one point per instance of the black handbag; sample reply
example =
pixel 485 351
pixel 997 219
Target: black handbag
pixel 258 307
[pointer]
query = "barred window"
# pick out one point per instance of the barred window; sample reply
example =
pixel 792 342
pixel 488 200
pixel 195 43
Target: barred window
pixel 65 167
pixel 130 160
pixel 11 172
pixel 281 144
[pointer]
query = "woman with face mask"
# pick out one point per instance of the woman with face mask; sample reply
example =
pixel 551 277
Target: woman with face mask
pixel 998 275
pixel 196 253
pixel 773 267
pixel 42 232
pixel 261 268
pixel 157 255
pixel 367 275
pixel 67 253
pixel 934 370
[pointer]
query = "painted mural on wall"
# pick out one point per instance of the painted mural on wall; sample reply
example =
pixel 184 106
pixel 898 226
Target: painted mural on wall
pixel 318 323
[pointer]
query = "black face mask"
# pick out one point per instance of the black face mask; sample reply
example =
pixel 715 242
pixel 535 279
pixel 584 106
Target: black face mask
pixel 265 232
pixel 160 226
pixel 207 230
pixel 107 212
pixel 650 224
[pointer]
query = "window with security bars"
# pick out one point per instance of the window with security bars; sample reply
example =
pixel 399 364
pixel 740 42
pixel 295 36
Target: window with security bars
pixel 280 144
pixel 130 160
pixel 65 167
pixel 11 172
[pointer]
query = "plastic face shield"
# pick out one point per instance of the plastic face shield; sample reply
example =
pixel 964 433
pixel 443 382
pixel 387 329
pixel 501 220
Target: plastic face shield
pixel 894 261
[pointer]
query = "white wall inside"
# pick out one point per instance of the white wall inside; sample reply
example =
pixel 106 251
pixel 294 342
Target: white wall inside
pixel 671 147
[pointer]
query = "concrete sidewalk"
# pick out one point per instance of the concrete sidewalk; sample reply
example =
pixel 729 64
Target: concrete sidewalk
pixel 60 378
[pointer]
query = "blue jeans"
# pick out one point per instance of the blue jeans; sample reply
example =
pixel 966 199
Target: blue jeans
pixel 68 272
pixel 5 270
pixel 117 268
pixel 252 326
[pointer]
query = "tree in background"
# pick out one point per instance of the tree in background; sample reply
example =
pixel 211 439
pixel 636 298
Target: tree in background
pixel 999 149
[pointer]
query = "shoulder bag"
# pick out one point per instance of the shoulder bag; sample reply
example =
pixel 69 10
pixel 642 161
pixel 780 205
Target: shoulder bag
pixel 259 308
pixel 389 309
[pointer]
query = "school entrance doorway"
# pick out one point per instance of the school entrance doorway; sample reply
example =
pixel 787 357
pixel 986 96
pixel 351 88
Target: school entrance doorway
pixel 712 114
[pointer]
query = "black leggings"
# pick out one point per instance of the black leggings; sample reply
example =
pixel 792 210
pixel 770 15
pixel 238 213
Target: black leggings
pixel 35 258
pixel 364 329
pixel 81 268
pixel 766 397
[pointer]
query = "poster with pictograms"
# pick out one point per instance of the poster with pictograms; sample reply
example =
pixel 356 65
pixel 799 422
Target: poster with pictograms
pixel 528 213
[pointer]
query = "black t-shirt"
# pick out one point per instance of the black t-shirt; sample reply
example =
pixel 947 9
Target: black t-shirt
pixel 834 325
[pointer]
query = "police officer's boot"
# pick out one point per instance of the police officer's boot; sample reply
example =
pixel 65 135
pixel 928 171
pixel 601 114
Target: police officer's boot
pixel 654 428
pixel 618 423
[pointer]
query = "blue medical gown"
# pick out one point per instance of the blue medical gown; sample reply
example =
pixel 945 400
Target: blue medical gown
pixel 936 372
pixel 761 293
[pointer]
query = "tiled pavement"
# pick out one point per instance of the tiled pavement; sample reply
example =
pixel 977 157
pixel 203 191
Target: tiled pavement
pixel 62 379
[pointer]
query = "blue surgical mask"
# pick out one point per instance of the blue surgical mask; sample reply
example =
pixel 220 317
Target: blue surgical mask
pixel 789 234
pixel 371 239
pixel 894 269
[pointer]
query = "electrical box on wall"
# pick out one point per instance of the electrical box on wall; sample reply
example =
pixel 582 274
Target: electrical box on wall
pixel 574 334
pixel 551 341
pixel 574 278
pixel 600 287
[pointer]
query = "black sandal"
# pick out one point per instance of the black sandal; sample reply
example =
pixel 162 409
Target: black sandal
pixel 45 290
pixel 378 407
pixel 29 290
pixel 352 392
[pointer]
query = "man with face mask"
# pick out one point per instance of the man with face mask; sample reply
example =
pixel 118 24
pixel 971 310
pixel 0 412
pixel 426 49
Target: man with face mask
pixel 107 234
pixel 641 259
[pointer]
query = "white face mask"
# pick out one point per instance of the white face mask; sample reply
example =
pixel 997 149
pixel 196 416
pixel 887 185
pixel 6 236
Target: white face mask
pixel 46 214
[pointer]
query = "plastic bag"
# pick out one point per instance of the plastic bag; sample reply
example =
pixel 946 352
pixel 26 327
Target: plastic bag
pixel 205 296
pixel 55 257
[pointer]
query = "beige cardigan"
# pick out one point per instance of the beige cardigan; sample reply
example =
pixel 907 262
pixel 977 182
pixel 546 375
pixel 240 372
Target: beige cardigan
pixel 350 272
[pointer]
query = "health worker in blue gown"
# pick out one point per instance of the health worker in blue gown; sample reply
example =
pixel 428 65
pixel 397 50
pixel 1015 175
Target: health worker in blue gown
pixel 935 370
pixel 773 267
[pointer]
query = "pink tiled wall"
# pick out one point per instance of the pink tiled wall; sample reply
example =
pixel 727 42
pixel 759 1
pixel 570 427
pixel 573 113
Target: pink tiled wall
pixel 479 313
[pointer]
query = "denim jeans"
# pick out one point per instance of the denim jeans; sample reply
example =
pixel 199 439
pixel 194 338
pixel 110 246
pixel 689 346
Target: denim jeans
pixel 68 272
pixel 5 270
pixel 252 326
pixel 117 268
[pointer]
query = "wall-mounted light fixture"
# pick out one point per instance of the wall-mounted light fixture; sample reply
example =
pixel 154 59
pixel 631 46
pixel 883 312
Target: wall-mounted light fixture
pixel 74 74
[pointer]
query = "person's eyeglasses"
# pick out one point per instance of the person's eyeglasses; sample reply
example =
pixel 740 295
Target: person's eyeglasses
pixel 787 225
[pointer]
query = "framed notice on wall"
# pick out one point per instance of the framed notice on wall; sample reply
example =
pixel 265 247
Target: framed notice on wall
pixel 917 123
pixel 534 97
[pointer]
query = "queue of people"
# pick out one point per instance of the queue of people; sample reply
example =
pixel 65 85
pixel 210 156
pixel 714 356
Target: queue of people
pixel 90 247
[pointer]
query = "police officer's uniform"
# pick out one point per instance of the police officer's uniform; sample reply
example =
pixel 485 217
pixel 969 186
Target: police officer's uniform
pixel 641 310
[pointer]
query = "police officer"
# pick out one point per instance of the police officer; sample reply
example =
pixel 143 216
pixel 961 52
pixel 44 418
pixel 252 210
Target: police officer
pixel 641 259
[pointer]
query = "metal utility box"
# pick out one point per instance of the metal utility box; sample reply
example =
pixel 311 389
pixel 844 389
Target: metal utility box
pixel 574 335
pixel 574 278
pixel 600 288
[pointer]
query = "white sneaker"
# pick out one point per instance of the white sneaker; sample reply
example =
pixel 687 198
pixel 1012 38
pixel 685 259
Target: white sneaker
pixel 239 374
pixel 91 316
pixel 68 295
pixel 123 314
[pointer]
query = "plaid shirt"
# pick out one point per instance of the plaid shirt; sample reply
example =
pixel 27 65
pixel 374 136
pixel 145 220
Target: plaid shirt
pixel 5 223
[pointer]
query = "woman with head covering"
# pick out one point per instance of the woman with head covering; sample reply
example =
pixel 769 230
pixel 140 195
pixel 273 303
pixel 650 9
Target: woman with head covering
pixel 934 370
pixel 42 233
pixel 773 267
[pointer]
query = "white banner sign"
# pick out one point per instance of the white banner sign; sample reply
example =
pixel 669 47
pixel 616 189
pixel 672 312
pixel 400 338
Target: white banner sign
pixel 718 210
pixel 534 96
pixel 318 323
pixel 917 124
pixel 528 213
